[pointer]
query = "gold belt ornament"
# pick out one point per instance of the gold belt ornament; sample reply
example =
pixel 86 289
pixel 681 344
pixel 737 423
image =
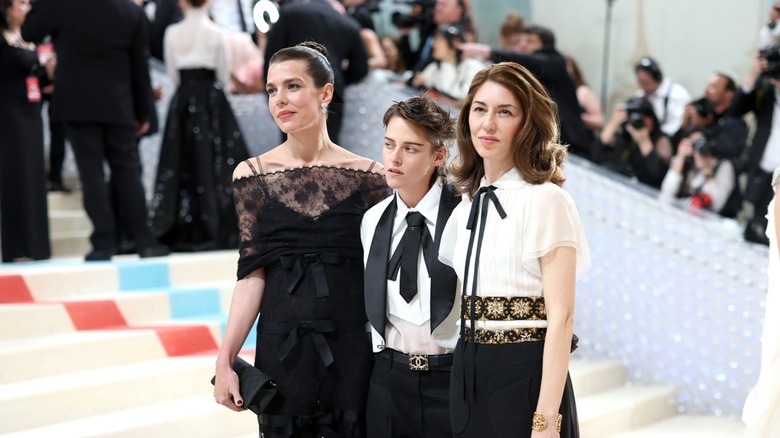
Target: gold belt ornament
pixel 508 336
pixel 504 308
pixel 418 362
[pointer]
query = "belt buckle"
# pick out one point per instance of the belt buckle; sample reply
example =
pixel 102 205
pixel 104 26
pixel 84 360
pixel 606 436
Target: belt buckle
pixel 418 362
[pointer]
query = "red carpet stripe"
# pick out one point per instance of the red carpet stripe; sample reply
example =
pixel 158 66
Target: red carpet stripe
pixel 186 340
pixel 95 315
pixel 13 289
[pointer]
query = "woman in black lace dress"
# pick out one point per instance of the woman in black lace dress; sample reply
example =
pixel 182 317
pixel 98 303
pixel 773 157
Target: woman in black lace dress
pixel 24 222
pixel 299 208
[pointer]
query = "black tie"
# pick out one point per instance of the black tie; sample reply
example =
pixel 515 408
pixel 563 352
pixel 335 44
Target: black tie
pixel 407 254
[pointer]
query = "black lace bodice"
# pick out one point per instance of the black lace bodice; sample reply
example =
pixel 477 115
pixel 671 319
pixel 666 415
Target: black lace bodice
pixel 301 210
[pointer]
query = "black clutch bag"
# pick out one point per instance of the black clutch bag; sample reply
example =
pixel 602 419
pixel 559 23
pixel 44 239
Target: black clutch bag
pixel 257 388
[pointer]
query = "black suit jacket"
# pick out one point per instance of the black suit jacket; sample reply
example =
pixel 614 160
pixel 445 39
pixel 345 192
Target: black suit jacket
pixel 760 101
pixel 167 12
pixel 318 21
pixel 102 69
pixel 550 68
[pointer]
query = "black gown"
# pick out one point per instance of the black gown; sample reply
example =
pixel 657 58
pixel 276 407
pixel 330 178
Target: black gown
pixel 303 226
pixel 192 208
pixel 24 218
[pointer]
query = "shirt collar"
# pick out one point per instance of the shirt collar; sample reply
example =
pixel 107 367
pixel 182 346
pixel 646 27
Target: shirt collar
pixel 510 180
pixel 428 206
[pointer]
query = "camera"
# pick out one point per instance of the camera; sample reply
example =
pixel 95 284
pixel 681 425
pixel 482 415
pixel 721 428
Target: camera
pixel 704 147
pixel 634 115
pixel 771 55
pixel 403 20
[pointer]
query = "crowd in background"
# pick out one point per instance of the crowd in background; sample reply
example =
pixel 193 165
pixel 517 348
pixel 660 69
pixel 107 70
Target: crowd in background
pixel 694 147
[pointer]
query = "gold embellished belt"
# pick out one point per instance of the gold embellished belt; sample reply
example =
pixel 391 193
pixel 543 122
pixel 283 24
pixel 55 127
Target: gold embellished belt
pixel 508 336
pixel 504 308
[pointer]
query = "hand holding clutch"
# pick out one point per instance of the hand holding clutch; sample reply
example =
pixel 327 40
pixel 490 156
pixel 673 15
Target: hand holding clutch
pixel 257 388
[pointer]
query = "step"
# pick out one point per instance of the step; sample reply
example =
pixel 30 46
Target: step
pixel 690 426
pixel 25 321
pixel 70 244
pixel 74 352
pixel 593 376
pixel 68 397
pixel 59 201
pixel 192 417
pixel 623 409
pixel 64 221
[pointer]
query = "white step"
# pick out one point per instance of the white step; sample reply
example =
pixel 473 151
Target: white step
pixel 24 321
pixel 193 417
pixel 68 221
pixel 58 201
pixel 592 376
pixel 622 409
pixel 73 352
pixel 70 244
pixel 68 397
pixel 690 426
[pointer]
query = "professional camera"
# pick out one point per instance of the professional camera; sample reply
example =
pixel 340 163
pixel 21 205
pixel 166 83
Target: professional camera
pixel 704 147
pixel 634 112
pixel 771 55
pixel 403 20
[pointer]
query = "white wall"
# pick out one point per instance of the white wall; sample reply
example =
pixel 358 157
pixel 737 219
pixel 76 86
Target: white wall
pixel 689 38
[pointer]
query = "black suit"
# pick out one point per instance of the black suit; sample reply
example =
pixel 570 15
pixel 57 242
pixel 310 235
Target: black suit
pixel 166 12
pixel 550 68
pixel 760 101
pixel 103 91
pixel 318 21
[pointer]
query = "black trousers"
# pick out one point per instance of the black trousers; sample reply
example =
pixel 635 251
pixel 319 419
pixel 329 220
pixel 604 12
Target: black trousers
pixel 93 144
pixel 56 146
pixel 403 403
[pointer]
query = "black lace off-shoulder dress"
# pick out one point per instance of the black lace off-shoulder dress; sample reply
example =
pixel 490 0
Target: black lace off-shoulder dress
pixel 303 226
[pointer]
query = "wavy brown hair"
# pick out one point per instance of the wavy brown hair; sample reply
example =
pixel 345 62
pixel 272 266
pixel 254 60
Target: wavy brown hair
pixel 535 149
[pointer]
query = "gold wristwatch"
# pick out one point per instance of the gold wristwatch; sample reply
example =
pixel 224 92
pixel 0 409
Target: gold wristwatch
pixel 539 422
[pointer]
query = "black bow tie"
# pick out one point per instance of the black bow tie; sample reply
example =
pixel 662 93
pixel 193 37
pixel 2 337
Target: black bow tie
pixel 407 253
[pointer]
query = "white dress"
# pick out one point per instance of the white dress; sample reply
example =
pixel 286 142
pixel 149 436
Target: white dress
pixel 762 407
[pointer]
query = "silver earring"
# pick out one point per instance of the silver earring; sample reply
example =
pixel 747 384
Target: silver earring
pixel 324 108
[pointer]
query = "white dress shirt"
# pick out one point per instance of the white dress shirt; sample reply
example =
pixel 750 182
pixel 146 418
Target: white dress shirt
pixel 408 327
pixel 196 42
pixel 673 108
pixel 540 218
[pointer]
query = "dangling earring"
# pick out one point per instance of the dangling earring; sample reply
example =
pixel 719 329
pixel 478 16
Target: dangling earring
pixel 324 108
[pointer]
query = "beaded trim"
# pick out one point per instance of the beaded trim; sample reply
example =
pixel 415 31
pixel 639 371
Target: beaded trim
pixel 510 336
pixel 504 308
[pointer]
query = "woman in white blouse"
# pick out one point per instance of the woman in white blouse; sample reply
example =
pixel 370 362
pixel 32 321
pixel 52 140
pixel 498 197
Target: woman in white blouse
pixel 517 246
pixel 192 208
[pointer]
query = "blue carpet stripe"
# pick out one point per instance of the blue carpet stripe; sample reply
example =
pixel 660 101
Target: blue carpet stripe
pixel 139 276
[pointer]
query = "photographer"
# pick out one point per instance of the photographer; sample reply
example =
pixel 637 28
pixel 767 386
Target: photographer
pixel 769 34
pixel 700 173
pixel 759 94
pixel 634 143
pixel 426 16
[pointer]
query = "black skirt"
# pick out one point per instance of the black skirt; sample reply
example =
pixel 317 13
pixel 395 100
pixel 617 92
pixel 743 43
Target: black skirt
pixel 192 208
pixel 505 390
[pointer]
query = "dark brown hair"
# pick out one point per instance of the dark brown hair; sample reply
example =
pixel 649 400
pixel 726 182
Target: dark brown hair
pixel 314 54
pixel 574 72
pixel 424 113
pixel 535 151
pixel 513 23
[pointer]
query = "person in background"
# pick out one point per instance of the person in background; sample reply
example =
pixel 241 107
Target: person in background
pixel 517 245
pixel 769 35
pixel 359 11
pixel 246 64
pixel 450 75
pixel 761 412
pixel 635 144
pixel 592 116
pixel 101 51
pixel 299 207
pixel 667 97
pixel 24 217
pixel 699 173
pixel 395 63
pixel 511 32
pixel 192 207
pixel 411 314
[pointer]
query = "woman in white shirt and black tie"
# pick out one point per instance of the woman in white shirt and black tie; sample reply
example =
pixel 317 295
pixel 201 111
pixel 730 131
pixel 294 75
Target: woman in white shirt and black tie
pixel 517 245
pixel 411 311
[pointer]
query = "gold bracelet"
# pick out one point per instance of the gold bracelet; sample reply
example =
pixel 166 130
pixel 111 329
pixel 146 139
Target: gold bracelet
pixel 539 422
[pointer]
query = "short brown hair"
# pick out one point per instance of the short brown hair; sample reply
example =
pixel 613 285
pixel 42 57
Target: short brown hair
pixel 513 24
pixel 535 151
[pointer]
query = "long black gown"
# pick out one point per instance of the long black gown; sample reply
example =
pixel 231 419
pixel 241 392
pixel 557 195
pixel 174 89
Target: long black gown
pixel 24 217
pixel 192 208
pixel 303 226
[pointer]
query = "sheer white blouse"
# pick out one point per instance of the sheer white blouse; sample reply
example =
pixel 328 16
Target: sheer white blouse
pixel 540 218
pixel 196 42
